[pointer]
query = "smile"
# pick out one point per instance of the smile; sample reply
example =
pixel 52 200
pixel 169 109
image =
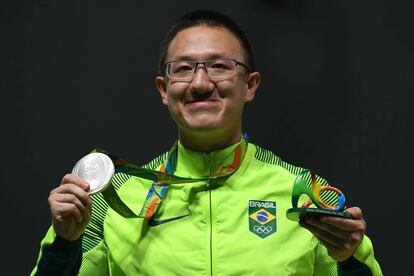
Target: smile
pixel 201 103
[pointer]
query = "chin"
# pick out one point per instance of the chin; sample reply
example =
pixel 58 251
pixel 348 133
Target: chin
pixel 203 126
pixel 203 122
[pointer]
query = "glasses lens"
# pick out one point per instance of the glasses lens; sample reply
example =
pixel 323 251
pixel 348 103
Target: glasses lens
pixel 221 68
pixel 180 69
pixel 217 69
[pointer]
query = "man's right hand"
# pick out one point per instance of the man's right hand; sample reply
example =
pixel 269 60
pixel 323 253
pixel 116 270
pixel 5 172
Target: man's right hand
pixel 71 207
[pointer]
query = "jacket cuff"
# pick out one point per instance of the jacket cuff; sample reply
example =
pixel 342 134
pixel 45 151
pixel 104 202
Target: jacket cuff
pixel 353 266
pixel 364 250
pixel 65 245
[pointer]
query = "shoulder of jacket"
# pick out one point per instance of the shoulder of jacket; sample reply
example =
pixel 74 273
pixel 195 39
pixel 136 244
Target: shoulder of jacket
pixel 271 159
pixel 268 157
pixel 156 162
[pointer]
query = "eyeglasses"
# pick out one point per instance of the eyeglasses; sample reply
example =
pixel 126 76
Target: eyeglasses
pixel 217 69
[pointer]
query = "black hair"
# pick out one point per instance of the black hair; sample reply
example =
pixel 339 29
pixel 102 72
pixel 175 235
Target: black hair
pixel 209 18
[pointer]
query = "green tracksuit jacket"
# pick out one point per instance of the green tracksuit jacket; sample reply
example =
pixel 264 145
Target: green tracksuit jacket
pixel 232 226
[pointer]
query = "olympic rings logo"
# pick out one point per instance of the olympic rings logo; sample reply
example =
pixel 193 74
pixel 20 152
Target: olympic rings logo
pixel 262 229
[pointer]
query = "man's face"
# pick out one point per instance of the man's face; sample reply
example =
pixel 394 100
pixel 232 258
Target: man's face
pixel 203 104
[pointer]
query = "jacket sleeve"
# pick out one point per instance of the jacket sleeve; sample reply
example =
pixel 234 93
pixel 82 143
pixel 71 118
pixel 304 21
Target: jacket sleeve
pixel 59 257
pixel 87 256
pixel 362 263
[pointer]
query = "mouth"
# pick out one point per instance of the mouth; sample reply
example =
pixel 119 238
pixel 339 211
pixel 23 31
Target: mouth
pixel 200 100
pixel 198 103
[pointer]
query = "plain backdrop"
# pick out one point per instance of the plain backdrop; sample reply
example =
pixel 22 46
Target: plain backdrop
pixel 337 97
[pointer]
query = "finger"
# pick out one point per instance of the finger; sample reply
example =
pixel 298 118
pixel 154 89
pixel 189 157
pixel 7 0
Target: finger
pixel 75 190
pixel 349 225
pixel 70 198
pixel 64 210
pixel 355 212
pixel 338 248
pixel 74 179
pixel 323 235
pixel 327 227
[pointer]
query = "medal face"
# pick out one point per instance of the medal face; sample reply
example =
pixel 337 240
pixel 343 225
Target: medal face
pixel 97 169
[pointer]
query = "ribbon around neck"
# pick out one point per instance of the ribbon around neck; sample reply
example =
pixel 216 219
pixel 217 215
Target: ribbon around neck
pixel 163 178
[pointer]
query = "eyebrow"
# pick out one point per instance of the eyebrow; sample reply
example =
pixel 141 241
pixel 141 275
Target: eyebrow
pixel 210 57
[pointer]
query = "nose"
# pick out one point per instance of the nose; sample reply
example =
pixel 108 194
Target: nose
pixel 201 82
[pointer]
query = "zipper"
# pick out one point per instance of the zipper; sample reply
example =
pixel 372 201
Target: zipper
pixel 210 210
pixel 211 229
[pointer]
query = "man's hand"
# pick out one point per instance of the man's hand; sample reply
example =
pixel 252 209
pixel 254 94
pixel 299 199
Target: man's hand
pixel 340 236
pixel 70 207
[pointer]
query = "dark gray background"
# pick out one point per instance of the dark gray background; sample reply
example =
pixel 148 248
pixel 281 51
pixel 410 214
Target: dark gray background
pixel 336 97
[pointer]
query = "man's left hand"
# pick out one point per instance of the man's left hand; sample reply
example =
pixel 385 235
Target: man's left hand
pixel 339 235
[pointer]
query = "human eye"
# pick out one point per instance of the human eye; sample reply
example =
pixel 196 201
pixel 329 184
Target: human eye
pixel 221 65
pixel 180 67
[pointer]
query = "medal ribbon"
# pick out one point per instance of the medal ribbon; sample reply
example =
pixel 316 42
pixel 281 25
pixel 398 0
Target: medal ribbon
pixel 165 177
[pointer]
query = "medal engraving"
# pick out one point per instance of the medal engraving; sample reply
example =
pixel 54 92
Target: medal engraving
pixel 97 169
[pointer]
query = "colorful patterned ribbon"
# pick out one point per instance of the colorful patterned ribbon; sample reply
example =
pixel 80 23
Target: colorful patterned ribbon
pixel 165 177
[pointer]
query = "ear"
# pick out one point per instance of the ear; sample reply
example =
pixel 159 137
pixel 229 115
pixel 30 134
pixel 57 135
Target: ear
pixel 161 84
pixel 253 82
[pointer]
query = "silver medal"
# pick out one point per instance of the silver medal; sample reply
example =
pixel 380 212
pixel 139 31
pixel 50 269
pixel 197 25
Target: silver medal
pixel 97 169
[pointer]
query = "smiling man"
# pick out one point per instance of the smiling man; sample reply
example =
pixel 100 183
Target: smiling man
pixel 230 220
pixel 206 85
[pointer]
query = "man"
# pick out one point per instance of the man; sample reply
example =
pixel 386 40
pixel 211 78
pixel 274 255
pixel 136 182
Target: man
pixel 230 222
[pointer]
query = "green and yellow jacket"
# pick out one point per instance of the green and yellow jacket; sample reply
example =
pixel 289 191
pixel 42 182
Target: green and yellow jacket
pixel 231 226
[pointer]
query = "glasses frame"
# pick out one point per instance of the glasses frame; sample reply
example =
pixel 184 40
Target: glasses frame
pixel 203 62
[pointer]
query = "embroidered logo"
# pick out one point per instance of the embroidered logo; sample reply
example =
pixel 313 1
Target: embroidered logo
pixel 262 217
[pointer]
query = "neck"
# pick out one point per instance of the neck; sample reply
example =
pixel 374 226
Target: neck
pixel 208 141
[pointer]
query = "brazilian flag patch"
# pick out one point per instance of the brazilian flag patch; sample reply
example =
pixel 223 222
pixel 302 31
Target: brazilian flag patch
pixel 262 217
